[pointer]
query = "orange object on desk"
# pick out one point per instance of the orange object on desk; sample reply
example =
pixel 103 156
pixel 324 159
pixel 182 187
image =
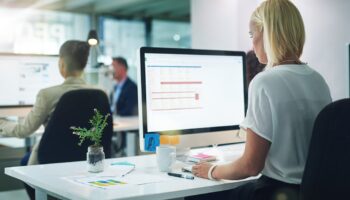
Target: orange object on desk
pixel 170 139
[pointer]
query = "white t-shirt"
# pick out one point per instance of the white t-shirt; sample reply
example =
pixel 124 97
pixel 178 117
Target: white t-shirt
pixel 283 103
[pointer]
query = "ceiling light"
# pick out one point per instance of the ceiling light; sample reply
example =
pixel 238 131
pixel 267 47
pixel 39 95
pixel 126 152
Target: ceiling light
pixel 92 38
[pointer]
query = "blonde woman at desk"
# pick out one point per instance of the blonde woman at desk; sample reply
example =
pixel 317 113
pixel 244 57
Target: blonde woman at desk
pixel 73 57
pixel 283 103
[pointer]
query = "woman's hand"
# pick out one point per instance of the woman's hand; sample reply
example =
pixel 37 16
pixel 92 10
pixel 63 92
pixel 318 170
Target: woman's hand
pixel 201 169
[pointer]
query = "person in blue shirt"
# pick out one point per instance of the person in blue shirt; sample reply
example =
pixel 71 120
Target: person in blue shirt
pixel 124 95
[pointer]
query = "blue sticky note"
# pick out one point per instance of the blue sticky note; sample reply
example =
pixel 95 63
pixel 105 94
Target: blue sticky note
pixel 151 142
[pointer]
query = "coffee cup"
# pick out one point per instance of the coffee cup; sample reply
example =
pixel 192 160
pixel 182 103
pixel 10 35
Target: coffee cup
pixel 166 157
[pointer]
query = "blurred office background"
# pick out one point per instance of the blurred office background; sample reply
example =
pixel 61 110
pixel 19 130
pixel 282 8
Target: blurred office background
pixel 41 26
pixel 123 26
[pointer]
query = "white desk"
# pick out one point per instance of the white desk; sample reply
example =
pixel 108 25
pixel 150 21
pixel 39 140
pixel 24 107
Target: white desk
pixel 47 179
pixel 119 124
pixel 125 123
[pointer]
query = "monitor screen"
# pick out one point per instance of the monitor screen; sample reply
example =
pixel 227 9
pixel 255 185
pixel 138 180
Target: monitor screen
pixel 22 76
pixel 192 91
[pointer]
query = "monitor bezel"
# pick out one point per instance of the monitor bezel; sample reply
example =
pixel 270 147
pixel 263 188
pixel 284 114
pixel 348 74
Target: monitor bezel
pixel 155 50
pixel 28 55
pixel 349 68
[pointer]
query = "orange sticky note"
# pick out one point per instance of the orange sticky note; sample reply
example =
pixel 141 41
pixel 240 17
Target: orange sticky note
pixel 170 139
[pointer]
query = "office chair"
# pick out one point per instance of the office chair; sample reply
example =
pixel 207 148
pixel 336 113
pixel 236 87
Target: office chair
pixel 327 170
pixel 75 108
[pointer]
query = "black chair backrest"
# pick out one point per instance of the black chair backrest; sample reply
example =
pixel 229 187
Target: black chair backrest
pixel 327 170
pixel 75 108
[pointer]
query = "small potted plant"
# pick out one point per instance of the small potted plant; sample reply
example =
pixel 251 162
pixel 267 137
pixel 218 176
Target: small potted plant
pixel 95 155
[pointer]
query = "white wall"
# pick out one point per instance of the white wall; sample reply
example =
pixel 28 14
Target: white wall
pixel 213 24
pixel 327 25
pixel 223 24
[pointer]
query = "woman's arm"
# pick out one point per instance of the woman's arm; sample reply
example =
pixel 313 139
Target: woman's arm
pixel 249 164
pixel 31 123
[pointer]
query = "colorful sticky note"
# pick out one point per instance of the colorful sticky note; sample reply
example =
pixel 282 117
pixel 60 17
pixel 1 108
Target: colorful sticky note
pixel 151 142
pixel 170 139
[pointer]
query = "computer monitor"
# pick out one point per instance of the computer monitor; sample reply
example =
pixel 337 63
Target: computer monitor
pixel 198 95
pixel 22 76
pixel 349 68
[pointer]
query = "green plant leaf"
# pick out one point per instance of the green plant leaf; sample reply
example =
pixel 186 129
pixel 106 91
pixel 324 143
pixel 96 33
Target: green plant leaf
pixel 98 123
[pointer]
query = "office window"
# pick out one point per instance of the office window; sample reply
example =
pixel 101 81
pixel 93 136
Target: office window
pixel 171 34
pixel 39 32
pixel 123 38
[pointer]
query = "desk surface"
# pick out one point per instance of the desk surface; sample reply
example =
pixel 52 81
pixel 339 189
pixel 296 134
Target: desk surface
pixel 119 124
pixel 125 123
pixel 48 178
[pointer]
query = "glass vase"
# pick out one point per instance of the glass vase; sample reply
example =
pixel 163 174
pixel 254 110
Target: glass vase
pixel 95 159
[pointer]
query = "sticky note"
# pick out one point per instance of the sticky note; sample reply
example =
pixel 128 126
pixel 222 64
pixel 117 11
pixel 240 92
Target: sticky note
pixel 170 139
pixel 151 142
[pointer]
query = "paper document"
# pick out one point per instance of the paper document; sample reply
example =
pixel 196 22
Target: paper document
pixel 115 175
pixel 111 182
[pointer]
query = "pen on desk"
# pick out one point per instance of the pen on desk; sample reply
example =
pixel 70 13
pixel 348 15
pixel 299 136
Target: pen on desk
pixel 181 175
pixel 186 170
pixel 132 169
pixel 125 163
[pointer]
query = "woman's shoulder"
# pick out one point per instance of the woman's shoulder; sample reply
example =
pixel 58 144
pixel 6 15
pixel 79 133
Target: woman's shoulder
pixel 49 90
pixel 274 73
pixel 263 78
pixel 270 77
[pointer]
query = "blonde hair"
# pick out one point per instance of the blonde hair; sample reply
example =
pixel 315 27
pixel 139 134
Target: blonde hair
pixel 283 29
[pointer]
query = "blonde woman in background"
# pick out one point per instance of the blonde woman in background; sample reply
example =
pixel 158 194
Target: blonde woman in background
pixel 283 103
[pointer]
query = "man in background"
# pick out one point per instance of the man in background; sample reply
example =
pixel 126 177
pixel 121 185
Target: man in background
pixel 124 94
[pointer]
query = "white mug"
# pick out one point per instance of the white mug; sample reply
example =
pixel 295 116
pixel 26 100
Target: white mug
pixel 166 157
